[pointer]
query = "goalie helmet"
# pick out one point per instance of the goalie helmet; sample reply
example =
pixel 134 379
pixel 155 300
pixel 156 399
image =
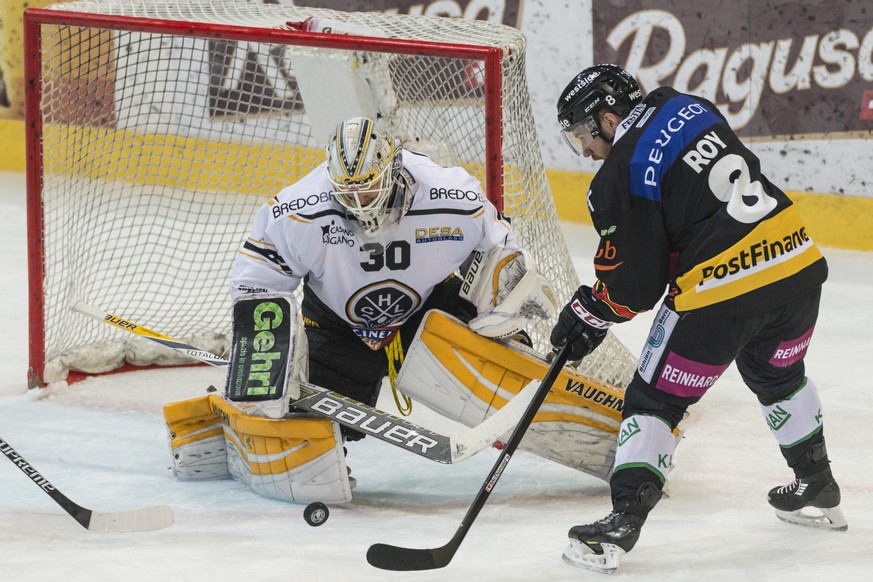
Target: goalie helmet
pixel 363 164
pixel 594 89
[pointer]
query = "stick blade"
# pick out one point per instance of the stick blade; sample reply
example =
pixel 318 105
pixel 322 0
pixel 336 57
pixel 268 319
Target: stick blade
pixel 388 557
pixel 144 519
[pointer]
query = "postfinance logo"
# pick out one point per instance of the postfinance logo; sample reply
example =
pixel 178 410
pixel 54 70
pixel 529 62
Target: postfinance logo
pixel 777 248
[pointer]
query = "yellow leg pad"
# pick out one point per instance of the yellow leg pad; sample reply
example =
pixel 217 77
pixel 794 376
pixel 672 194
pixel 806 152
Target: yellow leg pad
pixel 482 364
pixel 196 440
pixel 296 459
pixel 467 377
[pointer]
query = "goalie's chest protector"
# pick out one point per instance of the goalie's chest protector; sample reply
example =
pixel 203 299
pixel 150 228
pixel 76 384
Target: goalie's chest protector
pixel 376 285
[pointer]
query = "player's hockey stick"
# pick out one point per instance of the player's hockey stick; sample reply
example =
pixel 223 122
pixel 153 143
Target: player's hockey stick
pixel 144 519
pixel 367 419
pixel 389 557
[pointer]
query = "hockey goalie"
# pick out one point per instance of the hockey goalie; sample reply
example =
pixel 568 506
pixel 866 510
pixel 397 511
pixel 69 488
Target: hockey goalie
pixel 449 368
pixel 408 272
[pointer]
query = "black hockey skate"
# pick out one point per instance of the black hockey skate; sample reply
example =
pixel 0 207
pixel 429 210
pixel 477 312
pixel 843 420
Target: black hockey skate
pixel 812 501
pixel 599 546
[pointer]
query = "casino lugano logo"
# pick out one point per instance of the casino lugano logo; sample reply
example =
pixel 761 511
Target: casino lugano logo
pixel 381 304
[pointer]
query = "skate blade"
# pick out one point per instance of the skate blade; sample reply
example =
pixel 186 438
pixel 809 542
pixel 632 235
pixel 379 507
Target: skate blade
pixel 579 555
pixel 820 518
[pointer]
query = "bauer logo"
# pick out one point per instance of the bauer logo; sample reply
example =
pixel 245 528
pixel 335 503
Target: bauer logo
pixel 374 423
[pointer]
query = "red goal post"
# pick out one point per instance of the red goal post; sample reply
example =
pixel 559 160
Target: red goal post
pixel 157 128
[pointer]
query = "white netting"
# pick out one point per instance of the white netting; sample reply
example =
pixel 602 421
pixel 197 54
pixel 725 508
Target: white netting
pixel 158 148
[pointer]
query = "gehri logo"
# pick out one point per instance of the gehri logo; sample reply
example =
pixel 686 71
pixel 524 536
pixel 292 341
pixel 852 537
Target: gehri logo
pixel 381 304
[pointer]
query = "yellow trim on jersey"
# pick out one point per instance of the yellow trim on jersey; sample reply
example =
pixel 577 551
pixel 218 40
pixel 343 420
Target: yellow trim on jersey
pixel 776 249
pixel 260 242
pixel 251 256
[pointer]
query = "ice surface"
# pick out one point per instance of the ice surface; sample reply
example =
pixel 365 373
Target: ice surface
pixel 102 443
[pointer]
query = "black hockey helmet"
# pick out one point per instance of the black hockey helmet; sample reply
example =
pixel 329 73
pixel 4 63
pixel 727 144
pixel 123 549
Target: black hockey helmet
pixel 595 88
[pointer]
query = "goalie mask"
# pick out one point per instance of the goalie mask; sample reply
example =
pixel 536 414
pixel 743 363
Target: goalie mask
pixel 363 164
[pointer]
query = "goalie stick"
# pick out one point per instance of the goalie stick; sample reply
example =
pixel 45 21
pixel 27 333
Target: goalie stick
pixel 144 519
pixel 348 412
pixel 388 557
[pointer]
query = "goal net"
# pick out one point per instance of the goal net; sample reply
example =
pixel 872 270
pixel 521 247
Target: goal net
pixel 158 127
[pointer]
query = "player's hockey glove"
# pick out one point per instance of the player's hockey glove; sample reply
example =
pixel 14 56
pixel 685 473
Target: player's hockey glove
pixel 577 325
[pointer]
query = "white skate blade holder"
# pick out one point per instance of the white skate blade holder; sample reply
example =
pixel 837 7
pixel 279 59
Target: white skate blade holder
pixel 821 518
pixel 579 555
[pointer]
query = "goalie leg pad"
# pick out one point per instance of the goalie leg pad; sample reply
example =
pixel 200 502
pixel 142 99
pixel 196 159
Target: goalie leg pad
pixel 297 459
pixel 467 377
pixel 196 440
pixel 260 375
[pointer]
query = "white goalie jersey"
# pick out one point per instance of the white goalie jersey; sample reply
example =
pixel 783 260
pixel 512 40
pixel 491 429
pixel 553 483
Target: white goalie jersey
pixel 374 284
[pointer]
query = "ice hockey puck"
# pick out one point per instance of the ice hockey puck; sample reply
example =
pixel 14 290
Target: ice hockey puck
pixel 316 513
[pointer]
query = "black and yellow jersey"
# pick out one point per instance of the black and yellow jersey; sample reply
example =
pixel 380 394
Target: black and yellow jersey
pixel 680 205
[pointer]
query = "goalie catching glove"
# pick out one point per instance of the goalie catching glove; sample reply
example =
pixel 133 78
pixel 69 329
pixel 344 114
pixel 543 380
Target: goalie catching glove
pixel 579 326
pixel 507 291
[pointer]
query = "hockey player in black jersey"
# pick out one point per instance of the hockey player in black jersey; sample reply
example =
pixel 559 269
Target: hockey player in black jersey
pixel 682 206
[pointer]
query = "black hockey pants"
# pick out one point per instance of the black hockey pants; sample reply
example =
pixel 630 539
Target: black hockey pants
pixel 687 352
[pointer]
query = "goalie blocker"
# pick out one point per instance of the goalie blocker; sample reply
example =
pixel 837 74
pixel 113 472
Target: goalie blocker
pixel 269 356
pixel 467 377
pixel 292 457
